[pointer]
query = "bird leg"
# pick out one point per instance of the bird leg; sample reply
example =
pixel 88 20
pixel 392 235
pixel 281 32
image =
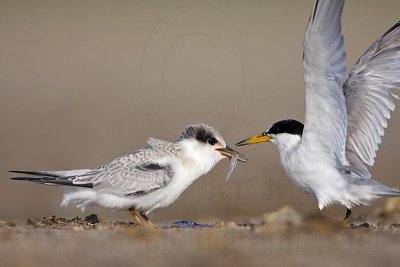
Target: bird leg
pixel 147 220
pixel 346 218
pixel 135 217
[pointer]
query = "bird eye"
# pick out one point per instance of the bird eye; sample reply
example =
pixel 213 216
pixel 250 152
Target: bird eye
pixel 212 141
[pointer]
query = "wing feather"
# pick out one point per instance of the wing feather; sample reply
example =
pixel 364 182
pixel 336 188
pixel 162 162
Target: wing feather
pixel 324 71
pixel 138 173
pixel 370 89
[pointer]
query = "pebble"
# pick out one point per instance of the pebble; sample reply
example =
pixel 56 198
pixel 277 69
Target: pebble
pixel 285 215
pixel 10 224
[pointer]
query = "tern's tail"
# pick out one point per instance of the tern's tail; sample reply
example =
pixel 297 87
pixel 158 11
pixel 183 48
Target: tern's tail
pixel 52 177
pixel 383 190
pixel 363 191
pixel 388 191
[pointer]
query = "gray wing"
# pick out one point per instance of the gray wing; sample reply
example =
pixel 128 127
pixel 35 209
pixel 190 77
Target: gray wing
pixel 324 70
pixel 370 89
pixel 138 173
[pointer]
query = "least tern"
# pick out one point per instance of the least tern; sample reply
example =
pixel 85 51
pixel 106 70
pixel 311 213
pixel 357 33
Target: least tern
pixel 344 119
pixel 145 180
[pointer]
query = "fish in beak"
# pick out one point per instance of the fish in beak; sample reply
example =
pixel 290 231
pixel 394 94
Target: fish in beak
pixel 261 138
pixel 229 152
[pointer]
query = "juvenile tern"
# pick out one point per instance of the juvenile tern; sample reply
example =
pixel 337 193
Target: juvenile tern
pixel 344 119
pixel 145 180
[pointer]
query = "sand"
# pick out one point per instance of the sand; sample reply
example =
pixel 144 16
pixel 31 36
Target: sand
pixel 314 240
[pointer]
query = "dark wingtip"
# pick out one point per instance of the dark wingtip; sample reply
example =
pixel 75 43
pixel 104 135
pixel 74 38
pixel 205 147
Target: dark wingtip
pixel 395 26
pixel 24 178
pixel 20 171
pixel 35 173
pixel 315 10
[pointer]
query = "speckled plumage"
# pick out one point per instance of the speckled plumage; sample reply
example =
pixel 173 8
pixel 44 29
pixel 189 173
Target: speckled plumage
pixel 143 180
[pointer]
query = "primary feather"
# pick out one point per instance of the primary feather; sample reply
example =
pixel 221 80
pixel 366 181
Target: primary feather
pixel 370 89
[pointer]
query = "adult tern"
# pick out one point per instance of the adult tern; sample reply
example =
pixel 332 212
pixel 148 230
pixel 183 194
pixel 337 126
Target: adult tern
pixel 345 115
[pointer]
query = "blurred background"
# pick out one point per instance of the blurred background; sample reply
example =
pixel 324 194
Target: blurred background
pixel 83 82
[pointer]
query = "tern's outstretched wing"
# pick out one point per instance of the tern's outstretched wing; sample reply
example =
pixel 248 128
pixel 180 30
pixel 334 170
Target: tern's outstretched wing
pixel 138 173
pixel 324 70
pixel 369 90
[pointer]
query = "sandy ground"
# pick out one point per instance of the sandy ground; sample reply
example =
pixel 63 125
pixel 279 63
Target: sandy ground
pixel 277 239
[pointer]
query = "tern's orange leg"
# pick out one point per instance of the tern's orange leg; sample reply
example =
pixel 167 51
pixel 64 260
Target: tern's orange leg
pixel 135 217
pixel 346 218
pixel 147 220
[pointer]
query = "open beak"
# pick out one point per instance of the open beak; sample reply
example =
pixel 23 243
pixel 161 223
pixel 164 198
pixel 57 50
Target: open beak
pixel 261 138
pixel 229 152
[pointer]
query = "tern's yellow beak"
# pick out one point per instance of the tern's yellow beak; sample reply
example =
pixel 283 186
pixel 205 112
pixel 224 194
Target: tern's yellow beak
pixel 261 138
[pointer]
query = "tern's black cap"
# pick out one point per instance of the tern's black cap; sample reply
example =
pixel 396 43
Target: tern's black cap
pixel 286 126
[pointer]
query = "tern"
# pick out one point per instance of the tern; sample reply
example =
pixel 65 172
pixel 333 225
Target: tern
pixel 145 180
pixel 345 115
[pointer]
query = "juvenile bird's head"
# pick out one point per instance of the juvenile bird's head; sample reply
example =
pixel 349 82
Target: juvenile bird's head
pixel 206 144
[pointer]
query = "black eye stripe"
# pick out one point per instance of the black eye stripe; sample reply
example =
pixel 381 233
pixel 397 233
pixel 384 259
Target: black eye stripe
pixel 200 133
pixel 203 136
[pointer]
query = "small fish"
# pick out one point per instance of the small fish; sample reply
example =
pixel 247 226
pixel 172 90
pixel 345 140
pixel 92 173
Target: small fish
pixel 234 160
pixel 234 157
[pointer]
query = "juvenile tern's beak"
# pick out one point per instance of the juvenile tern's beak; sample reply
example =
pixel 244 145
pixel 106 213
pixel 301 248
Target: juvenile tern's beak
pixel 229 152
pixel 255 140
